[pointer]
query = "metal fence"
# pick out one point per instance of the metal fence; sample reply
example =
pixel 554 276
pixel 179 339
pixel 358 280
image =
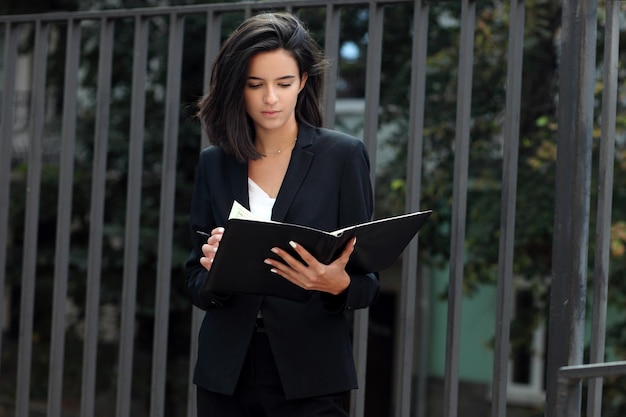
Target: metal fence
pixel 572 196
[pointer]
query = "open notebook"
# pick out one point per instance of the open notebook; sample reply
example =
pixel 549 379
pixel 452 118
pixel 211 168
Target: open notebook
pixel 238 265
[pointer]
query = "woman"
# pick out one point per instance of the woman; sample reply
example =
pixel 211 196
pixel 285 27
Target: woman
pixel 268 356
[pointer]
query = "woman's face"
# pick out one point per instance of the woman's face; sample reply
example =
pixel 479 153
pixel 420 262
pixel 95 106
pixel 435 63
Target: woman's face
pixel 271 90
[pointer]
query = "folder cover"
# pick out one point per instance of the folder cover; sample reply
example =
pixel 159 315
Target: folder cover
pixel 238 264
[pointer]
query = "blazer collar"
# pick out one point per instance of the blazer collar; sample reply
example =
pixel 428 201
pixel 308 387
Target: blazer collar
pixel 299 164
pixel 301 159
pixel 239 181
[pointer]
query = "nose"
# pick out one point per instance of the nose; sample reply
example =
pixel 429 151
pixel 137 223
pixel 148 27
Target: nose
pixel 270 96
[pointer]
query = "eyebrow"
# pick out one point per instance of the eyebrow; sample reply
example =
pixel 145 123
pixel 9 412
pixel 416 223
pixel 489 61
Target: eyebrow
pixel 284 77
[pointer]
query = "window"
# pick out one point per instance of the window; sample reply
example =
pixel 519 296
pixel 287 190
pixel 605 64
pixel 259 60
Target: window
pixel 527 363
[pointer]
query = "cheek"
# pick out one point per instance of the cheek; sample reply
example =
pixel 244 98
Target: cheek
pixel 295 96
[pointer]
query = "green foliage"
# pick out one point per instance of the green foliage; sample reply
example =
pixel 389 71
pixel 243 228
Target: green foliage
pixel 536 166
pixel 485 165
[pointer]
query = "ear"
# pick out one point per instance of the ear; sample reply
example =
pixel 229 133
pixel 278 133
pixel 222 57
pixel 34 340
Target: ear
pixel 305 76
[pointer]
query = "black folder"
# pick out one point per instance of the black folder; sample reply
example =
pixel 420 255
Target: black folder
pixel 238 264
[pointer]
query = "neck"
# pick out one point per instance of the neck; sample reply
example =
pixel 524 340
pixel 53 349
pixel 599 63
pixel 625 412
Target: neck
pixel 274 142
pixel 276 148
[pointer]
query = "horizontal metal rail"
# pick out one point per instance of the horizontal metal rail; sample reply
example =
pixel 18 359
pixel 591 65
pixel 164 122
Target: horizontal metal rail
pixel 188 10
pixel 592 370
pixel 570 376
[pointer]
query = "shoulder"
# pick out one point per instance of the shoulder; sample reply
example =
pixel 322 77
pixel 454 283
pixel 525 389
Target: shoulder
pixel 333 140
pixel 213 161
pixel 214 155
pixel 334 135
pixel 211 152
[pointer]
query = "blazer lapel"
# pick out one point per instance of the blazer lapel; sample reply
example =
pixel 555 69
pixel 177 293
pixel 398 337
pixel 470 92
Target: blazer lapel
pixel 301 159
pixel 239 181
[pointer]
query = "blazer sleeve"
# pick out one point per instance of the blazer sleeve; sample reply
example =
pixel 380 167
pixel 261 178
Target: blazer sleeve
pixel 356 206
pixel 201 218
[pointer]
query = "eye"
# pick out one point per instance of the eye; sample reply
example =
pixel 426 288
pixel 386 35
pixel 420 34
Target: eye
pixel 284 85
pixel 254 85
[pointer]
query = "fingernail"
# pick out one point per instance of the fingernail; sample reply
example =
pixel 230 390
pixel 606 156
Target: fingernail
pixel 292 244
pixel 354 241
pixel 274 250
pixel 273 270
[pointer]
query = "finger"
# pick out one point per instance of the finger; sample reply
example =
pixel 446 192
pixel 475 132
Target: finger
pixel 347 250
pixel 209 250
pixel 309 260
pixel 217 231
pixel 295 275
pixel 216 235
pixel 278 267
pixel 206 262
pixel 287 259
pixel 214 240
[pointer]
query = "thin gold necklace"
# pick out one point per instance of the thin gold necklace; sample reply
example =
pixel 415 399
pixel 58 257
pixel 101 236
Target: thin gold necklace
pixel 282 149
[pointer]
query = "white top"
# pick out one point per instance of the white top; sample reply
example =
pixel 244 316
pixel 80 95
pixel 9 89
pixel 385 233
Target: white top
pixel 261 204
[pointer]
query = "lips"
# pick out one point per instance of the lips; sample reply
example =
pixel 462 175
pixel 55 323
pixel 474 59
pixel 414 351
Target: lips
pixel 270 113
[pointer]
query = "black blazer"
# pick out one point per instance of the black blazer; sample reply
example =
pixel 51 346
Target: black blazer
pixel 327 186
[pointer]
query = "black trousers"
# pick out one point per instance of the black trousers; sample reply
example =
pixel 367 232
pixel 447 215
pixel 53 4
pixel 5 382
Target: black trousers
pixel 259 392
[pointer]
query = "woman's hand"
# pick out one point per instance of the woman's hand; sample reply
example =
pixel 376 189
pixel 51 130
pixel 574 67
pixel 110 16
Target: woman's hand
pixel 313 275
pixel 210 247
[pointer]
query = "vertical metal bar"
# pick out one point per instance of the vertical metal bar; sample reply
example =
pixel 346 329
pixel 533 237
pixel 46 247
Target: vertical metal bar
pixel 605 199
pixel 196 322
pixel 370 134
pixel 508 208
pixel 421 399
pixel 6 149
pixel 372 81
pixel 64 218
pixel 360 328
pixel 98 186
pixel 211 48
pixel 459 207
pixel 573 177
pixel 247 11
pixel 563 386
pixel 410 276
pixel 331 50
pixel 37 110
pixel 166 215
pixel 133 211
pixel 212 45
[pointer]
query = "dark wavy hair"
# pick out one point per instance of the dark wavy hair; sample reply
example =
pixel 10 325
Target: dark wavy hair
pixel 222 110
